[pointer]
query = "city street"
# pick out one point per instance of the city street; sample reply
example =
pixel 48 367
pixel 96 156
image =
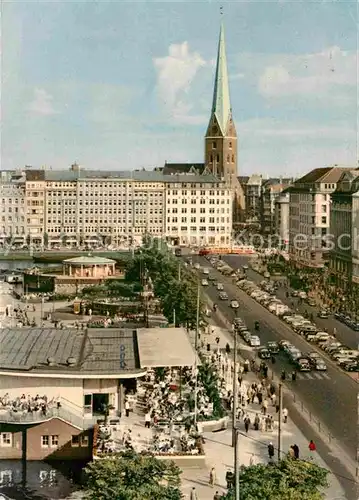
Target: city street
pixel 330 396
pixel 344 334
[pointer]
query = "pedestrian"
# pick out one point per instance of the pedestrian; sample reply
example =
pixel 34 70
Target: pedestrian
pixel 217 496
pixel 127 408
pixel 148 420
pixel 312 446
pixel 273 398
pixel 296 451
pixel 252 460
pixel 285 415
pixel 193 495
pixel 229 479
pixel 294 376
pixel 212 477
pixel 270 451
pixel 291 452
pixel 247 423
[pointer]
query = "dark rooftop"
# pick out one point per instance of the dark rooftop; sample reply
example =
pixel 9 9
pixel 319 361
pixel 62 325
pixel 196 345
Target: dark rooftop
pixel 183 168
pixel 93 351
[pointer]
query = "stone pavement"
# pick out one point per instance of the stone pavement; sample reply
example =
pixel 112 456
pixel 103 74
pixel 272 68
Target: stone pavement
pixel 252 447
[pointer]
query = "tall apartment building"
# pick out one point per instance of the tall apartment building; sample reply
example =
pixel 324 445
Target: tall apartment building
pixel 309 216
pixel 344 228
pixel 82 206
pixel 12 206
pixel 252 188
pixel 198 210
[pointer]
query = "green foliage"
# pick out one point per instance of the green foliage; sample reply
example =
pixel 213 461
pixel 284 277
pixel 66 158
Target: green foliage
pixel 289 479
pixel 175 295
pixel 208 377
pixel 130 476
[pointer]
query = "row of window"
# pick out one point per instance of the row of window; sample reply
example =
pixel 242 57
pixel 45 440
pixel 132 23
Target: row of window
pixel 201 210
pixel 47 441
pixel 202 201
pixel 202 229
pixel 201 220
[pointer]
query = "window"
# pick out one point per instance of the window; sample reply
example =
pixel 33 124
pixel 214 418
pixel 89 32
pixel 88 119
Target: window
pixel 75 441
pixel 55 441
pixel 84 440
pixel 324 219
pixel 214 145
pixel 44 441
pixel 324 208
pixel 5 439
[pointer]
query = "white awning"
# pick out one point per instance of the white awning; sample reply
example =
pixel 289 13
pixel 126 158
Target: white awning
pixel 160 347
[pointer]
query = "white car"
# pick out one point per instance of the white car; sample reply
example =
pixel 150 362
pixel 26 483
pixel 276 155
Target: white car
pixel 197 266
pixel 204 283
pixel 220 287
pixel 234 304
pixel 254 341
pixel 206 271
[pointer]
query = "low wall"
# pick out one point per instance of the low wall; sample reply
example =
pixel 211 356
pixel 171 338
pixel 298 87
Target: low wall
pixel 182 461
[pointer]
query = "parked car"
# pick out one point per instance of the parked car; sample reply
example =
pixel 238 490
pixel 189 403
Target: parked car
pixel 234 304
pixel 220 287
pixel 204 282
pixel 323 314
pixel 303 365
pixel 223 296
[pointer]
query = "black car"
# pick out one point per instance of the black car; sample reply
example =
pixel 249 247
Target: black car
pixel 264 353
pixel 273 347
pixel 351 367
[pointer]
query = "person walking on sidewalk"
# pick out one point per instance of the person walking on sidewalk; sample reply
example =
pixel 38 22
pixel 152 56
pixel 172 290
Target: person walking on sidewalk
pixel 312 446
pixel 217 496
pixel 127 408
pixel 271 451
pixel 296 451
pixel 285 415
pixel 193 495
pixel 212 477
pixel 247 423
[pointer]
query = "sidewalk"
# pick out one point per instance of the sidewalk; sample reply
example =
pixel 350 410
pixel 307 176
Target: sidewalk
pixel 219 452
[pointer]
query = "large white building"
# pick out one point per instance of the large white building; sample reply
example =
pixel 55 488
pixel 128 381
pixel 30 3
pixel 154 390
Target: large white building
pixel 309 216
pixel 79 206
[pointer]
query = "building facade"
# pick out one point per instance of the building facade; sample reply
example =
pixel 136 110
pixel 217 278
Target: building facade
pixel 81 207
pixel 198 211
pixel 309 216
pixel 281 219
pixel 271 191
pixel 12 197
pixel 342 228
pixel 355 245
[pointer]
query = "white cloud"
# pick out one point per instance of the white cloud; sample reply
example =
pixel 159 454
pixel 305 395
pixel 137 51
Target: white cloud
pixel 297 130
pixel 313 75
pixel 175 75
pixel 41 103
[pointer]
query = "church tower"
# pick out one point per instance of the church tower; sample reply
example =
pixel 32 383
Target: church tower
pixel 221 135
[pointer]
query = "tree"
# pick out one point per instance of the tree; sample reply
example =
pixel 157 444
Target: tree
pixel 289 479
pixel 130 476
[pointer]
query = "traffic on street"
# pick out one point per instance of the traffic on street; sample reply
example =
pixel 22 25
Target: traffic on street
pixel 330 395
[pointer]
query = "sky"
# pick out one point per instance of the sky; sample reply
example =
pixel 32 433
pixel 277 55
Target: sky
pixel 127 85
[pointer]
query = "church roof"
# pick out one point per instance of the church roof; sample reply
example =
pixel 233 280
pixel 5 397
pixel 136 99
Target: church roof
pixel 183 168
pixel 221 106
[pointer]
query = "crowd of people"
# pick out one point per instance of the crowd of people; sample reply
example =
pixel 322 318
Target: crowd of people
pixel 28 406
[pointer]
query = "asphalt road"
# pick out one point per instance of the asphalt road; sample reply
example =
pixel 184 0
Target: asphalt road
pixel 331 396
pixel 343 333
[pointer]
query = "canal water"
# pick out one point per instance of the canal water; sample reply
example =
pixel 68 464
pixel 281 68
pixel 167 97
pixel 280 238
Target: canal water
pixel 13 265
pixel 39 480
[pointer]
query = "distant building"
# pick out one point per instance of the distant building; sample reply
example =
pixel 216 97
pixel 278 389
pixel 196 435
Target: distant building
pixel 309 215
pixel 252 193
pixel 355 247
pixel 344 228
pixel 13 213
pixel 281 218
pixel 271 190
